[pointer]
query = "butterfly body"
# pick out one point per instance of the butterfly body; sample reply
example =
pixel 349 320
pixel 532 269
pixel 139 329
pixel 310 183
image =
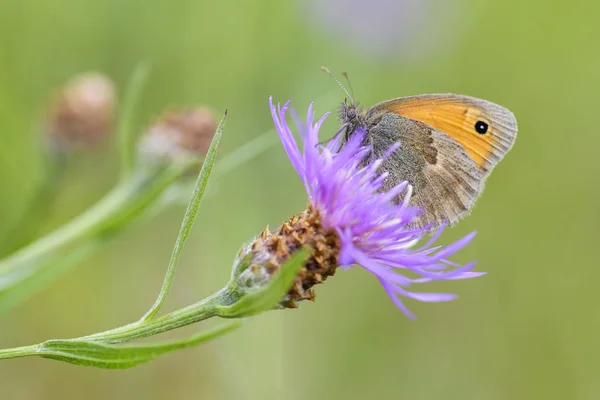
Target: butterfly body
pixel 447 145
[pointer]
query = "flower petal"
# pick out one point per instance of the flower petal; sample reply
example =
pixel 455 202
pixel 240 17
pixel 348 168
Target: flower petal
pixel 344 182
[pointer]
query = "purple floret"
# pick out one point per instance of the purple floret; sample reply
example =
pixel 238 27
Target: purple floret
pixel 373 229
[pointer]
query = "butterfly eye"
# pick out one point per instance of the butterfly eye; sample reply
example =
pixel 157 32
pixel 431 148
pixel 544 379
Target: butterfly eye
pixel 481 127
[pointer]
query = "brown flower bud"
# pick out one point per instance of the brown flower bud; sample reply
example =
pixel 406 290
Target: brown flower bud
pixel 271 249
pixel 81 114
pixel 183 134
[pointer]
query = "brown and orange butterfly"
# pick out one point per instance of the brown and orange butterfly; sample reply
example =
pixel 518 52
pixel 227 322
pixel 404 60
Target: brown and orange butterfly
pixel 447 146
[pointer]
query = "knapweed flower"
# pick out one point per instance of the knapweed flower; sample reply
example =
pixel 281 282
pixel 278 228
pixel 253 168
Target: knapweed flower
pixel 179 134
pixel 349 221
pixel 81 114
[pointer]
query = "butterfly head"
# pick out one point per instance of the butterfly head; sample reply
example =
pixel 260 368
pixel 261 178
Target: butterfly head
pixel 351 115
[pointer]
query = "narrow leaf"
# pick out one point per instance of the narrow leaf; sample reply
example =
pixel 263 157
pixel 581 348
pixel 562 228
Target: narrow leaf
pixel 94 354
pixel 189 218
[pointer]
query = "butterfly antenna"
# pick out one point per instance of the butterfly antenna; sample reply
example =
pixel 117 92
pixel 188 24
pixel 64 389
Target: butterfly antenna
pixel 345 74
pixel 339 83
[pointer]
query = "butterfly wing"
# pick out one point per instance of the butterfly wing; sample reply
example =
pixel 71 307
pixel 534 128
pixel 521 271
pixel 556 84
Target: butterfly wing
pixel 485 130
pixel 445 180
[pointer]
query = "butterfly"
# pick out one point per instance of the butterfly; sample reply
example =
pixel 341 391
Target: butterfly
pixel 447 145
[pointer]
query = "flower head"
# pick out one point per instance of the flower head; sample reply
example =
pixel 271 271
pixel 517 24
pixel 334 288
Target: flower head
pixel 179 134
pixel 361 224
pixel 81 114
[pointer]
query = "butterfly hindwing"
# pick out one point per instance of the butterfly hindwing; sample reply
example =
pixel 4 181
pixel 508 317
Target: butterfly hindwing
pixel 445 180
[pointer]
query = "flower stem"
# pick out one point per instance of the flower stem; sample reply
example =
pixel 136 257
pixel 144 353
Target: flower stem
pixel 197 312
pixel 16 352
pixel 125 132
pixel 39 206
pixel 111 213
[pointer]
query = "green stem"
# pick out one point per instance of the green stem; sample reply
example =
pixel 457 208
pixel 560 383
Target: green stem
pixel 110 213
pixel 39 206
pixel 125 133
pixel 230 302
pixel 16 352
pixel 81 226
pixel 197 312
pixel 202 310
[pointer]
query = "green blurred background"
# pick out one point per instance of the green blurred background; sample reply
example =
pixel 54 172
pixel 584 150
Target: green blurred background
pixel 529 329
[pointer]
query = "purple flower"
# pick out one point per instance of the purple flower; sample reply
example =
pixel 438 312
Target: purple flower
pixel 373 230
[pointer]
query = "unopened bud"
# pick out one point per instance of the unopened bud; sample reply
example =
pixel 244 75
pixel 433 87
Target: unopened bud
pixel 271 249
pixel 81 114
pixel 179 135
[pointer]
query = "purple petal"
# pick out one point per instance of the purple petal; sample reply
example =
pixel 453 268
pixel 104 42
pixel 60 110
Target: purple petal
pixel 389 289
pixel 431 297
pixel 344 183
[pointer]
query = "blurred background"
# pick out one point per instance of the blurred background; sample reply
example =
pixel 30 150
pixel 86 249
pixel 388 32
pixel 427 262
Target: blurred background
pixel 529 329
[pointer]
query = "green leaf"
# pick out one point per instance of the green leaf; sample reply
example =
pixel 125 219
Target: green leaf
pixel 189 218
pixel 93 354
pixel 268 296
